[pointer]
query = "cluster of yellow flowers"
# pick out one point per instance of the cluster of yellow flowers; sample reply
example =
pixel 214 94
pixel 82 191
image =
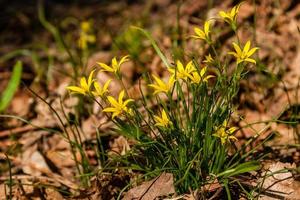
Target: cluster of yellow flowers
pixel 185 73
pixel 117 107
pixel 230 18
pixel 188 73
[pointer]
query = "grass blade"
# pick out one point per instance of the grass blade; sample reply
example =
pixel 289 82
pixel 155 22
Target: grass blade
pixel 12 86
pixel 154 44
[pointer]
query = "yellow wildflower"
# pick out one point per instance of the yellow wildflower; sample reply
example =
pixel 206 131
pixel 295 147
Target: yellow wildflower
pixel 225 134
pixel 182 72
pixel 162 121
pixel 203 34
pixel 118 107
pixel 197 78
pixel 230 17
pixel 86 26
pixel 99 90
pixel 244 55
pixel 115 65
pixel 161 86
pixel 208 59
pixel 85 85
pixel 86 36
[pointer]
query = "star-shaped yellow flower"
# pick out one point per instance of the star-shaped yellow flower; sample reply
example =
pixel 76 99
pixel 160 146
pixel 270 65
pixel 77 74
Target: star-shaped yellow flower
pixel 225 134
pixel 243 56
pixel 85 85
pixel 182 72
pixel 118 107
pixel 230 17
pixel 161 86
pixel 115 65
pixel 86 36
pixel 203 34
pixel 99 90
pixel 197 78
pixel 162 121
pixel 208 59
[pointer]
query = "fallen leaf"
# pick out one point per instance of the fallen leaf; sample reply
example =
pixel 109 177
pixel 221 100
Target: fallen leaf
pixel 280 183
pixel 160 186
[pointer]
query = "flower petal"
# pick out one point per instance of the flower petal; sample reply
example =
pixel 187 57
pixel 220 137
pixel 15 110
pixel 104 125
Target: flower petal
pixel 246 47
pixel 124 59
pixel 121 96
pixel 237 49
pixel 252 51
pixel 76 89
pixel 105 67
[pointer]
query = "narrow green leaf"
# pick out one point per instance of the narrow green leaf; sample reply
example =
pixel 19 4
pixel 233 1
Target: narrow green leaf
pixel 154 44
pixel 12 86
pixel 242 168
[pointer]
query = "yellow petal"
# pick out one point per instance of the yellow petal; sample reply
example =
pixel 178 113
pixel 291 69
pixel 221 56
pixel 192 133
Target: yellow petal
pixel 121 96
pixel 232 138
pixel 90 79
pixel 203 71
pixel 97 87
pixel 158 81
pixel 124 59
pixel 110 109
pixel 190 67
pixel 250 60
pixel 106 67
pixel 206 27
pixel 127 101
pixel 179 66
pixel 199 33
pixel 223 14
pixel 84 84
pixel 106 85
pixel 237 49
pixel 116 114
pixel 232 130
pixel 208 77
pixel 233 53
pixel 252 51
pixel 113 102
pixel 164 115
pixel 76 89
pixel 246 47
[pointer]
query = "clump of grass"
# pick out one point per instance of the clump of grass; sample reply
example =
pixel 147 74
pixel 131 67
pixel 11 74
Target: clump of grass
pixel 181 126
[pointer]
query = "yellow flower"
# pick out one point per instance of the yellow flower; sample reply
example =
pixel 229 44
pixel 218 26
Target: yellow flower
pixel 230 17
pixel 197 78
pixel 162 121
pixel 203 34
pixel 115 65
pixel 86 36
pixel 244 55
pixel 118 107
pixel 224 133
pixel 182 72
pixel 208 59
pixel 86 26
pixel 99 90
pixel 161 86
pixel 84 87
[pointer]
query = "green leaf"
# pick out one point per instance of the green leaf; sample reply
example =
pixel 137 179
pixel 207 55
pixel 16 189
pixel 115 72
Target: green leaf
pixel 12 86
pixel 155 46
pixel 242 168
